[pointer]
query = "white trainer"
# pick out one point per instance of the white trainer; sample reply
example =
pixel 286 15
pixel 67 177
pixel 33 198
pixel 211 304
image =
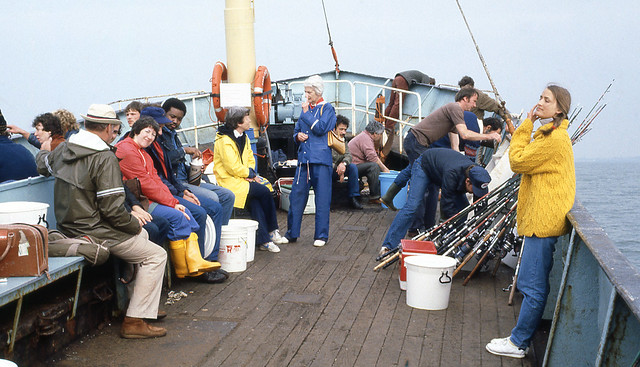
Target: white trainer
pixel 504 347
pixel 270 246
pixel 319 243
pixel 277 238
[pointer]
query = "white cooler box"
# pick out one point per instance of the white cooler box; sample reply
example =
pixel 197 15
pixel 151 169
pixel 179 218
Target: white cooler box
pixel 284 201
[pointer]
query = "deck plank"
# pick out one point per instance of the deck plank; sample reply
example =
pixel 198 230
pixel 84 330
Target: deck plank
pixel 308 306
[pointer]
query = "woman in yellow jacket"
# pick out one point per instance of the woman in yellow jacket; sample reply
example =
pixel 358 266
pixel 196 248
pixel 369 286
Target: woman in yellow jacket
pixel 233 166
pixel 547 192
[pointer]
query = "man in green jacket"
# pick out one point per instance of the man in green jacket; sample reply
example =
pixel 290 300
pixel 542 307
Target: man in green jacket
pixel 89 200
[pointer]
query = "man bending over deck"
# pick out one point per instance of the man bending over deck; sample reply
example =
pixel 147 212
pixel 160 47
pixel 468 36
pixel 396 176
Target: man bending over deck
pixel 451 171
pixel 89 200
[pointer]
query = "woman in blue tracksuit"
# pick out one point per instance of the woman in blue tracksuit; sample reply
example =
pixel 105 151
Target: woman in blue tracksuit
pixel 314 162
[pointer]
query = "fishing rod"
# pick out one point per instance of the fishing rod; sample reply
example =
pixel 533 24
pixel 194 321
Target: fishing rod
pixel 489 250
pixel 514 282
pixel 487 212
pixel 479 244
pixel 447 225
pixel 484 64
pixel 333 51
pixel 476 222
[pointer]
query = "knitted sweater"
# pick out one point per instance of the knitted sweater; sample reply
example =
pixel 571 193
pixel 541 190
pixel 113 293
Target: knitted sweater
pixel 548 185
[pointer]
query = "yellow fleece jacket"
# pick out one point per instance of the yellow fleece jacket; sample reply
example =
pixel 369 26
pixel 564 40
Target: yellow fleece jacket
pixel 548 185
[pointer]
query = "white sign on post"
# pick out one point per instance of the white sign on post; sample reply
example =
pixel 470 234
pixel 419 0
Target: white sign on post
pixel 235 94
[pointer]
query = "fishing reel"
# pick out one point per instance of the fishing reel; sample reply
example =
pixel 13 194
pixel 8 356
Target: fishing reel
pixel 462 251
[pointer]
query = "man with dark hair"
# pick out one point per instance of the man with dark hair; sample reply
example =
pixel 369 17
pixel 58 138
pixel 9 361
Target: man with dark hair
pixel 89 201
pixel 448 119
pixel 16 161
pixel 342 166
pixel 451 171
pixel 175 110
pixel 486 103
pixel 365 157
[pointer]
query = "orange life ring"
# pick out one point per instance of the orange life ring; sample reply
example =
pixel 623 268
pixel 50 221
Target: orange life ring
pixel 262 96
pixel 219 74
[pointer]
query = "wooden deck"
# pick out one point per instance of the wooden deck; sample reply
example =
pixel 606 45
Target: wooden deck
pixel 310 306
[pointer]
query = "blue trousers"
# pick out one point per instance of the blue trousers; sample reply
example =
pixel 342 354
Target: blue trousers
pixel 180 227
pixel 413 149
pixel 219 194
pixel 158 230
pixel 533 283
pixel 352 174
pixel 263 210
pixel 207 207
pixel 419 185
pixel 319 177
pixel 200 216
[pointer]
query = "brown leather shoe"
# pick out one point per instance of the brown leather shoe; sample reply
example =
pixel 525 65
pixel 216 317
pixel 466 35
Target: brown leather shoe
pixel 135 328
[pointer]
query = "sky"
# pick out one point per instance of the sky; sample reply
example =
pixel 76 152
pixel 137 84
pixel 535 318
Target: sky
pixel 70 54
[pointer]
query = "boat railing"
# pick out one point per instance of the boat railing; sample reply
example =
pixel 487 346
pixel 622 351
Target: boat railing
pixel 401 95
pixel 597 310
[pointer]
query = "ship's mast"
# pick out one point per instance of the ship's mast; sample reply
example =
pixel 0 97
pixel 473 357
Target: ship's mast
pixel 239 35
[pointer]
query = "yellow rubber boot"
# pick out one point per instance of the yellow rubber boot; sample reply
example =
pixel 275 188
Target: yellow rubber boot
pixel 179 257
pixel 195 262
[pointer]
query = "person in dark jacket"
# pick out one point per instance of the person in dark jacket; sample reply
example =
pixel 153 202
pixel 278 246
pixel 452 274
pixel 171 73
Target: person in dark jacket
pixel 342 166
pixel 89 200
pixel 175 110
pixel 16 161
pixel 450 170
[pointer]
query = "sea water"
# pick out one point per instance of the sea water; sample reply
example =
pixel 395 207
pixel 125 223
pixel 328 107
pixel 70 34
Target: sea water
pixel 609 189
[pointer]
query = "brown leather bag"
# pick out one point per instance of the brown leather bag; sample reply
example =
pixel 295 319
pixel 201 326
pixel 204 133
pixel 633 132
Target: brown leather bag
pixel 23 250
pixel 134 186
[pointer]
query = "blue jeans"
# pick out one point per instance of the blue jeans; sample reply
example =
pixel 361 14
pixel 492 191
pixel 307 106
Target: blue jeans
pixel 419 185
pixel 533 283
pixel 352 174
pixel 180 227
pixel 413 150
pixel 219 194
pixel 263 210
pixel 200 215
pixel 320 178
pixel 158 230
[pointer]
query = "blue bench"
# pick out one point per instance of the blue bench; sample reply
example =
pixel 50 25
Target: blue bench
pixel 15 288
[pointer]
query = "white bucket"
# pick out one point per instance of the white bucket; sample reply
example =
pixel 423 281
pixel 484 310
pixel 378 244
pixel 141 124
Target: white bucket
pixel 7 363
pixel 30 212
pixel 233 249
pixel 429 281
pixel 251 226
pixel 209 238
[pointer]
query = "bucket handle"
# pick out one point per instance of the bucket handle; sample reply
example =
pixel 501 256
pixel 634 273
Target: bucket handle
pixel 445 275
pixel 42 219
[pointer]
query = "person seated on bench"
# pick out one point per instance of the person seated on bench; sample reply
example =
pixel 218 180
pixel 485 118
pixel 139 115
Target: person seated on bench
pixel 366 158
pixel 136 162
pixel 17 162
pixel 342 166
pixel 89 201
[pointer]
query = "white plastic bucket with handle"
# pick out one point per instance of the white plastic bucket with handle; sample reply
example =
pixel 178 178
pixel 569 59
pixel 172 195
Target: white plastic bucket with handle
pixel 233 248
pixel 29 212
pixel 251 227
pixel 7 363
pixel 429 281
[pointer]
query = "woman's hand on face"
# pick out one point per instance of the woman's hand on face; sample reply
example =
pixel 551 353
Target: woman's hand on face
pixel 302 137
pixel 305 106
pixel 182 208
pixel 532 114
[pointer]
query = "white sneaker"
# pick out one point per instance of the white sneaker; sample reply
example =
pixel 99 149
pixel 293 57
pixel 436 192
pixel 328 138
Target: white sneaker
pixel 277 238
pixel 383 250
pixel 270 246
pixel 504 347
pixel 319 243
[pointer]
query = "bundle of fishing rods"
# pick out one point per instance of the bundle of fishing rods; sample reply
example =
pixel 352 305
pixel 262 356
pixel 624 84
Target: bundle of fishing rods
pixel 488 234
